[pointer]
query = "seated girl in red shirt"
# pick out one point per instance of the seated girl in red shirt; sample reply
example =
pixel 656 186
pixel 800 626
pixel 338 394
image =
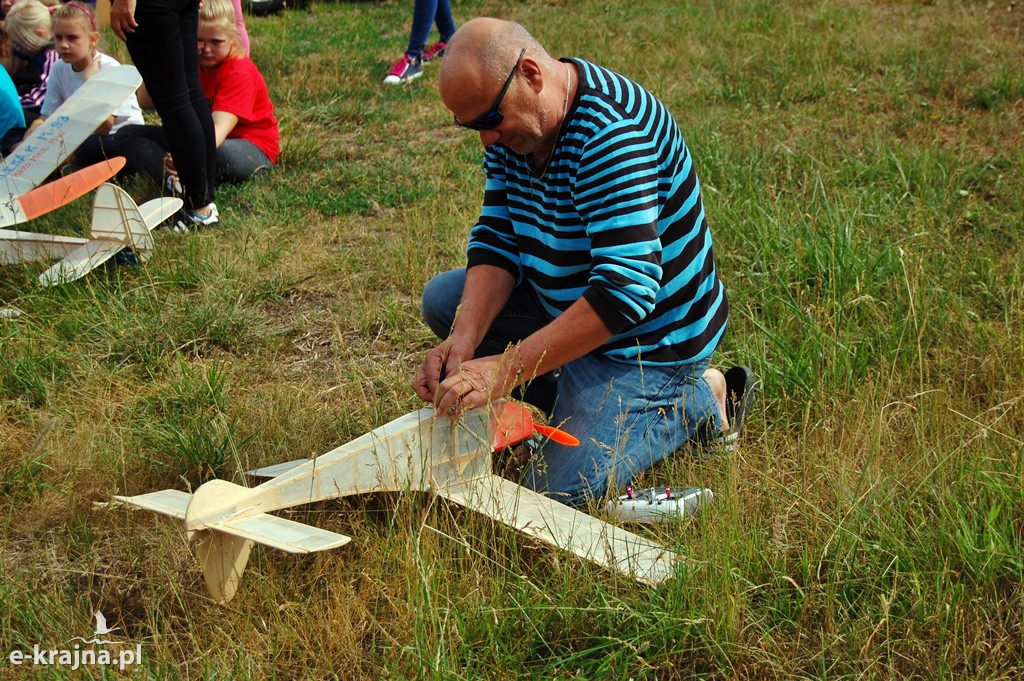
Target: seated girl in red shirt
pixel 248 138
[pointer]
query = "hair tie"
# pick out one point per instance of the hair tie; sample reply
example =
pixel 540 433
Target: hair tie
pixel 78 5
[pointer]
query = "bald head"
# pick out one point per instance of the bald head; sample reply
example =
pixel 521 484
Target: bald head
pixel 479 56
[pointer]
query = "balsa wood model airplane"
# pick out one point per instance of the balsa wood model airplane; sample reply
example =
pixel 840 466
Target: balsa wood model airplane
pixel 117 223
pixel 421 451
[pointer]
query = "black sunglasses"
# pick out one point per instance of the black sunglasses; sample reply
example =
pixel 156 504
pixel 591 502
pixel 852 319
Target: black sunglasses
pixel 493 117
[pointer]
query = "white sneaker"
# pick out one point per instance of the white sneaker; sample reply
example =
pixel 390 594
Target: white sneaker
pixel 189 220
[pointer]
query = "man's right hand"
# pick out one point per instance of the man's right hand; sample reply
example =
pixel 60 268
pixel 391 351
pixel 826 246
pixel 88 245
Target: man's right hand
pixel 441 361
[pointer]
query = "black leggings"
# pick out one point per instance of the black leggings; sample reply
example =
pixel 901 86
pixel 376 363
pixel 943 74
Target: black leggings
pixel 164 48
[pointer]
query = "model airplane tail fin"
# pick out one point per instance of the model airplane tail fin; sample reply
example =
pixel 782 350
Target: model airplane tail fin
pixel 115 217
pixel 216 517
pixel 117 224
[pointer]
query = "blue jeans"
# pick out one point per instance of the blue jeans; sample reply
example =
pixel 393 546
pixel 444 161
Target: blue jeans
pixel 627 416
pixel 424 14
pixel 164 49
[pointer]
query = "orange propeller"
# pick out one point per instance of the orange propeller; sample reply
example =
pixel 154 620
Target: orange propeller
pixel 515 423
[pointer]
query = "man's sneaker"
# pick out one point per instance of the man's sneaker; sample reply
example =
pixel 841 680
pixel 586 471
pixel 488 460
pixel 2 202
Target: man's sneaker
pixel 404 70
pixel 189 220
pixel 435 51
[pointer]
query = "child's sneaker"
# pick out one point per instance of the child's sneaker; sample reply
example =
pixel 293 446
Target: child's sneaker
pixel 435 51
pixel 189 220
pixel 404 70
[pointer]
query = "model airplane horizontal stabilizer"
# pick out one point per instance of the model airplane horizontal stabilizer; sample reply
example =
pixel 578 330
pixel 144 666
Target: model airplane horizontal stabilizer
pixel 421 451
pixel 170 502
pixel 283 534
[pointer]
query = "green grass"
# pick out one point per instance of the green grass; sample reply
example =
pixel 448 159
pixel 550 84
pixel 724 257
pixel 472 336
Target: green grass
pixel 862 168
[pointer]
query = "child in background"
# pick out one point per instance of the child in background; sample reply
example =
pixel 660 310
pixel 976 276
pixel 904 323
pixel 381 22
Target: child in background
pixel 12 118
pixel 6 5
pixel 248 139
pixel 76 39
pixel 32 53
pixel 243 33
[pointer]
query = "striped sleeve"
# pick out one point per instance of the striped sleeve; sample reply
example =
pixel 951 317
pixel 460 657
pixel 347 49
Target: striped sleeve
pixel 616 219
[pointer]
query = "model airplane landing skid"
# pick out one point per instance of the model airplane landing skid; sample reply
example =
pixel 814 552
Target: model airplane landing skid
pixel 420 451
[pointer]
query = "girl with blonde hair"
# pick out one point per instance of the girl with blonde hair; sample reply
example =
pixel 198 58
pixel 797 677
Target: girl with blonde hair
pixel 32 53
pixel 76 39
pixel 246 130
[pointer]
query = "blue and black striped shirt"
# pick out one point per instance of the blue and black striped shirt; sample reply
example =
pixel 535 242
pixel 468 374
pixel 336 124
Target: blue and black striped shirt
pixel 617 218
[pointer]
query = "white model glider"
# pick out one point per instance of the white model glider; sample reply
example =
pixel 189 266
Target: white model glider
pixel 117 224
pixel 420 451
pixel 50 143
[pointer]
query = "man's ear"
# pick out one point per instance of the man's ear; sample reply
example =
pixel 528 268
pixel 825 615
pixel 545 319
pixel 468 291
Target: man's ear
pixel 532 72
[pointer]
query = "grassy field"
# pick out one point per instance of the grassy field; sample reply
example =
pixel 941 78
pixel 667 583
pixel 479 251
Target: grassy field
pixel 863 166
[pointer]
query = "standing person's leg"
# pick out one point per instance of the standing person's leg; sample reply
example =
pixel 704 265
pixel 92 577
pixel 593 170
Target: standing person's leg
pixel 422 21
pixel 207 178
pixel 444 20
pixel 164 49
pixel 627 417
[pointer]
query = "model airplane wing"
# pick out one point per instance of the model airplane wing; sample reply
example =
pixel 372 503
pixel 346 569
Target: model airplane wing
pixel 63 131
pixel 555 523
pixel 64 190
pixel 117 224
